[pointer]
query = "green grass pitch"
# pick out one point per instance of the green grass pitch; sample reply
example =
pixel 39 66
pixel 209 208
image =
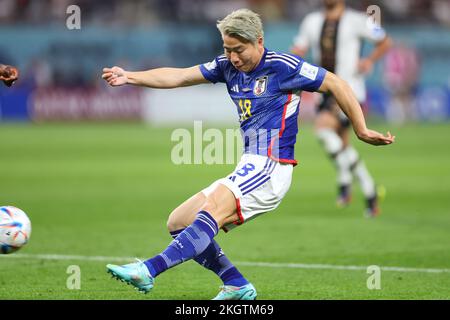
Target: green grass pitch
pixel 105 190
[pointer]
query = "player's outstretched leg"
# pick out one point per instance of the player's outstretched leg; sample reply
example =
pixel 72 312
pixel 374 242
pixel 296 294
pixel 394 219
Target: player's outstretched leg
pixel 189 243
pixel 235 286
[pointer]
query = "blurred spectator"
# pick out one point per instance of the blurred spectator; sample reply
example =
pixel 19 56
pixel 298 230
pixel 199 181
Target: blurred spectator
pixel 122 12
pixel 43 73
pixel 271 10
pixel 7 9
pixel 401 75
pixel 68 62
pixel 441 10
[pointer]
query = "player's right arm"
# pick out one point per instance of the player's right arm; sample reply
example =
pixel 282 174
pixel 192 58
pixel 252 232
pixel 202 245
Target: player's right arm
pixel 160 78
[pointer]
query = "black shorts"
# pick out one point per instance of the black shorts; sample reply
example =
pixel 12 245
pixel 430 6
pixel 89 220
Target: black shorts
pixel 327 104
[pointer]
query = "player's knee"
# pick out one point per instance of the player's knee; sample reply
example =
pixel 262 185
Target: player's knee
pixel 174 222
pixel 170 224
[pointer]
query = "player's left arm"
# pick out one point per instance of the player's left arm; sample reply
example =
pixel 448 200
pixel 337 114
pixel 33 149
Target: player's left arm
pixel 347 101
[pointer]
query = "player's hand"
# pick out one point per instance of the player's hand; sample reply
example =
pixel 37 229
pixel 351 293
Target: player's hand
pixel 115 76
pixel 375 138
pixel 8 74
pixel 365 66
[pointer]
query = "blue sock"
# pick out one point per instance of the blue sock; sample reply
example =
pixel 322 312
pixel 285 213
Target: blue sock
pixel 215 260
pixel 188 244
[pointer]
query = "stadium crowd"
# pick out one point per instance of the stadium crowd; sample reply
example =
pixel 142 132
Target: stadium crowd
pixel 120 12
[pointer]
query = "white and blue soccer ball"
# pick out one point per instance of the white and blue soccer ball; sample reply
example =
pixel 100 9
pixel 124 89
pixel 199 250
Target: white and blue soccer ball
pixel 15 229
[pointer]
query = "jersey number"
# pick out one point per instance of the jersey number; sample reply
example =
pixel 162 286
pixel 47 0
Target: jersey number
pixel 246 109
pixel 245 169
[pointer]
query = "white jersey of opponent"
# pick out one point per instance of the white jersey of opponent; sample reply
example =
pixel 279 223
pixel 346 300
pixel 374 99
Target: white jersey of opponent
pixel 353 27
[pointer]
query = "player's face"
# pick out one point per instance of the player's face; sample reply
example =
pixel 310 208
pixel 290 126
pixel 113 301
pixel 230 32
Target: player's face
pixel 244 56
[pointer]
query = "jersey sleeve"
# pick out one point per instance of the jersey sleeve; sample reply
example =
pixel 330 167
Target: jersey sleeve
pixel 305 76
pixel 212 71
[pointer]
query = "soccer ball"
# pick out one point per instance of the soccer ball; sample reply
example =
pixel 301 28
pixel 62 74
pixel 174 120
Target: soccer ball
pixel 15 229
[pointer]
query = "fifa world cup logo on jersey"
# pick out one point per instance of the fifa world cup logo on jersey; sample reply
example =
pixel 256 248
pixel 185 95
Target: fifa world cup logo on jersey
pixel 260 86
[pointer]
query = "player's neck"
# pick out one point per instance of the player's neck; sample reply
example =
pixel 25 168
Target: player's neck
pixel 336 12
pixel 261 54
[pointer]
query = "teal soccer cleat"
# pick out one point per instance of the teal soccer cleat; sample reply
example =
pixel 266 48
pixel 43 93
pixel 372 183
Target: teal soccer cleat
pixel 247 292
pixel 135 274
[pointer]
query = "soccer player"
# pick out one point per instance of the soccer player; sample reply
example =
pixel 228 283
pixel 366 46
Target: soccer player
pixel 8 74
pixel 335 37
pixel 265 87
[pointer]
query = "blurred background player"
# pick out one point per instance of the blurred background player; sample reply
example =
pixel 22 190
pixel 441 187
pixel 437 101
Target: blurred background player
pixel 335 37
pixel 8 74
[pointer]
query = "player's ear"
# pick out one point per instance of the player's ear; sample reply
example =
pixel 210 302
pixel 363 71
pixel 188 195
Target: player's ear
pixel 260 42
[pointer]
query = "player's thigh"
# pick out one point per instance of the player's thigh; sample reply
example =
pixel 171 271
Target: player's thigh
pixel 217 200
pixel 184 214
pixel 221 204
pixel 326 120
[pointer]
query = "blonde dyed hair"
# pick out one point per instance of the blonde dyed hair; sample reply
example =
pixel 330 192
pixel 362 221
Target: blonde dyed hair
pixel 243 23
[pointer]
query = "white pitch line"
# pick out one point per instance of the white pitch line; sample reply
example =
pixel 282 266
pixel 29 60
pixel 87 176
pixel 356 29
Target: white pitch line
pixel 337 267
pixel 241 263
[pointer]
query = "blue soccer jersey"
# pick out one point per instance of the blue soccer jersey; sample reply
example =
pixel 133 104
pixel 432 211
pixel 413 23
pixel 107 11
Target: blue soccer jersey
pixel 267 99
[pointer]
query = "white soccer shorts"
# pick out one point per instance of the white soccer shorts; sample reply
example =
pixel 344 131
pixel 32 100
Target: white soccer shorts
pixel 258 184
